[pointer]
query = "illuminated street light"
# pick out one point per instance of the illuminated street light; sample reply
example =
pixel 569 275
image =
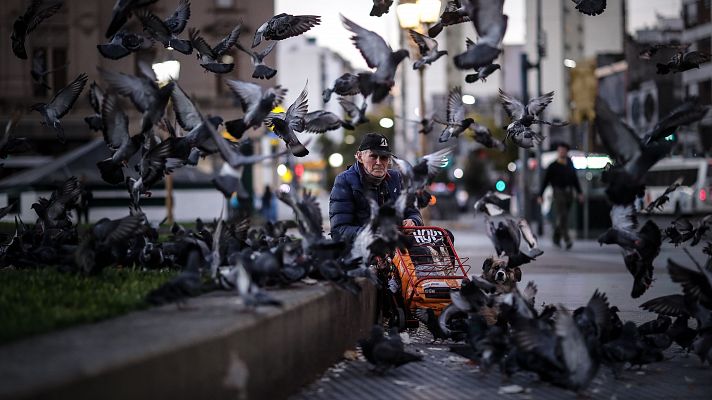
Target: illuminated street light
pixel 468 99
pixel 284 188
pixel 386 123
pixel 349 139
pixel 512 166
pixel 458 173
pixel 408 15
pixel 429 10
pixel 568 63
pixel 166 71
pixel 281 169
pixel 336 160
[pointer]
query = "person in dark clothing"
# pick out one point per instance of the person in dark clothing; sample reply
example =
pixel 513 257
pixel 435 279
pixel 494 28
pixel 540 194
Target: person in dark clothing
pixel 349 210
pixel 561 174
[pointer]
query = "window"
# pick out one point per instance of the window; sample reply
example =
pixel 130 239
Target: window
pixel 690 15
pixel 39 56
pixel 59 65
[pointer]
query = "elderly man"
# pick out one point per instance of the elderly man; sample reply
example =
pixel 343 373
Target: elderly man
pixel 349 210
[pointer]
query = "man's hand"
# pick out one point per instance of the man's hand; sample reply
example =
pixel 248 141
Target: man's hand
pixel 539 200
pixel 408 223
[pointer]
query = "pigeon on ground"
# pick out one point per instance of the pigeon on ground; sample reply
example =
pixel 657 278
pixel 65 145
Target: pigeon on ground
pixel 380 7
pixel 98 248
pixel 36 12
pixel 211 58
pixel 491 203
pixel 284 125
pixel 345 85
pixel 121 12
pixel 121 143
pixel 124 43
pixel 60 105
pixel 386 352
pixel 456 121
pixel 379 55
pixel 53 213
pixel 256 103
pixel 284 26
pixel 454 13
pixel 590 7
pixel 356 114
pixel 261 70
pixel 491 24
pixel 428 49
pixel 166 31
pixel 683 61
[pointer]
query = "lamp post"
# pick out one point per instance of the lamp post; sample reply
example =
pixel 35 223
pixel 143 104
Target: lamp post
pixel 417 15
pixel 167 71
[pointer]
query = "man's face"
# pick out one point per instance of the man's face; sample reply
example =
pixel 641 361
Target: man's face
pixel 563 151
pixel 374 164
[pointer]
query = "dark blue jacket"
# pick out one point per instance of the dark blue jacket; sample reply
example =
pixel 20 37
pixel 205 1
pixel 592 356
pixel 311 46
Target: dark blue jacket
pixel 348 205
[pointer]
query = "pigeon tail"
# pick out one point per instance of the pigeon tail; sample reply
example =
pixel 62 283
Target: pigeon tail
pixel 181 45
pixel 472 78
pixel 113 51
pixel 111 172
pixel 477 56
pixel 298 149
pixel 347 125
pixel 380 92
pixel 264 72
pixel 218 68
pixel 236 128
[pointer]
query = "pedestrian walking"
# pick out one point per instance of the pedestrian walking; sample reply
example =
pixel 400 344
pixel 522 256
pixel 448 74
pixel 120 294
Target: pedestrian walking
pixel 561 175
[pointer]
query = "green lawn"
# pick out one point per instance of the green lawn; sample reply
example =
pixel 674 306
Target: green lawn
pixel 36 301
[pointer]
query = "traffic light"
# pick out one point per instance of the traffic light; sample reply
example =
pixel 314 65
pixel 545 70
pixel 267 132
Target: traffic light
pixel 500 185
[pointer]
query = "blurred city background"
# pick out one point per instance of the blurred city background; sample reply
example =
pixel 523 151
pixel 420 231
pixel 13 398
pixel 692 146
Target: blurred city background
pixel 548 46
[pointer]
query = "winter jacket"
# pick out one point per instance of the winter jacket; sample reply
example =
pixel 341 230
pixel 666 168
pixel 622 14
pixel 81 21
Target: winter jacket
pixel 349 210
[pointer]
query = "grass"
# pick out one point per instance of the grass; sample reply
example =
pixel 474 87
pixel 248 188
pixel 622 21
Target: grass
pixel 34 301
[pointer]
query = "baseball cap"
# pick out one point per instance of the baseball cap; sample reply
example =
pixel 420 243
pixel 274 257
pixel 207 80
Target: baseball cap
pixel 377 143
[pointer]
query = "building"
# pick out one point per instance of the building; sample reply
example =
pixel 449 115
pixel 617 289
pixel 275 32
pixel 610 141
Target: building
pixel 569 35
pixel 697 19
pixel 69 38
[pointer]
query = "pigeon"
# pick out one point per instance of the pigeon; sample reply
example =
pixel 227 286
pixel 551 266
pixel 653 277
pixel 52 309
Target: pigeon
pixel 491 203
pixel 688 112
pixel 124 43
pixel 60 105
pixel 380 7
pixel 96 99
pixel 426 124
pixel 39 70
pixel 117 137
pixel 283 26
pixel 36 12
pixel 650 51
pixel 53 213
pixel 386 352
pixel 682 229
pixel 211 58
pixel 519 131
pixel 256 103
pixel 484 137
pixel 683 61
pixel 481 73
pixel 143 90
pixel 379 55
pixel 456 121
pixel 416 177
pixel 697 285
pixel 261 70
pixel 640 247
pixel 166 31
pixel 345 85
pixel 152 168
pixel 454 13
pixel 322 121
pixel 428 49
pixel 10 144
pixel 98 247
pixel 590 7
pixel 356 113
pixel 660 201
pixel 491 24
pixel 122 11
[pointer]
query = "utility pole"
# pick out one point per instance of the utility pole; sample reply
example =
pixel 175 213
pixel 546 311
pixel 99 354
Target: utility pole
pixel 541 53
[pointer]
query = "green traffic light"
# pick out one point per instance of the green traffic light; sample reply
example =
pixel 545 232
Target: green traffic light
pixel 500 186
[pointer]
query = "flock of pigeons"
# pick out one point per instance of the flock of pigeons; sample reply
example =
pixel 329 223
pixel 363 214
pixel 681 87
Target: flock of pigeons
pixel 563 348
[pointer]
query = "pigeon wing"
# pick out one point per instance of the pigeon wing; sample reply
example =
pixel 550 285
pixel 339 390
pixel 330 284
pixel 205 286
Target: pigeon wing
pixel 96 97
pixel 538 104
pixel 297 111
pixel 373 48
pixel 228 41
pixel 186 113
pixel 247 93
pixel 116 123
pixel 38 12
pixel 514 108
pixel 177 21
pixel 619 139
pixel 425 44
pixel 455 107
pixel 63 101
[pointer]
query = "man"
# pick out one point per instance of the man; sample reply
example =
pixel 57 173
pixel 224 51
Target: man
pixel 349 210
pixel 561 174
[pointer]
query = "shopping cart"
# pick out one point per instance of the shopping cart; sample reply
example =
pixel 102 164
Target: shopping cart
pixel 424 274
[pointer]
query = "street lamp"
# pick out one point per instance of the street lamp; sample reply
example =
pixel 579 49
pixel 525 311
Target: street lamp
pixel 417 15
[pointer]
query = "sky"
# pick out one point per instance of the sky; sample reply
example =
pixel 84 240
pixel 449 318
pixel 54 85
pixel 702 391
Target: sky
pixel 332 34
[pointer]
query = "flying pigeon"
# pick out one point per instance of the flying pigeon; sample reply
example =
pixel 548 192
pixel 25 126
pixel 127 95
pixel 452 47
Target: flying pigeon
pixel 211 58
pixel 456 121
pixel 60 105
pixel 256 103
pixel 428 49
pixel 261 70
pixel 345 85
pixel 491 24
pixel 36 12
pixel 283 26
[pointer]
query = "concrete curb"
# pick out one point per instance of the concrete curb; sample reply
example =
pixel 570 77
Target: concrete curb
pixel 210 348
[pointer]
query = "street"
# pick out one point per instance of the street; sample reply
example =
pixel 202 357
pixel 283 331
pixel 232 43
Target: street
pixel 563 277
